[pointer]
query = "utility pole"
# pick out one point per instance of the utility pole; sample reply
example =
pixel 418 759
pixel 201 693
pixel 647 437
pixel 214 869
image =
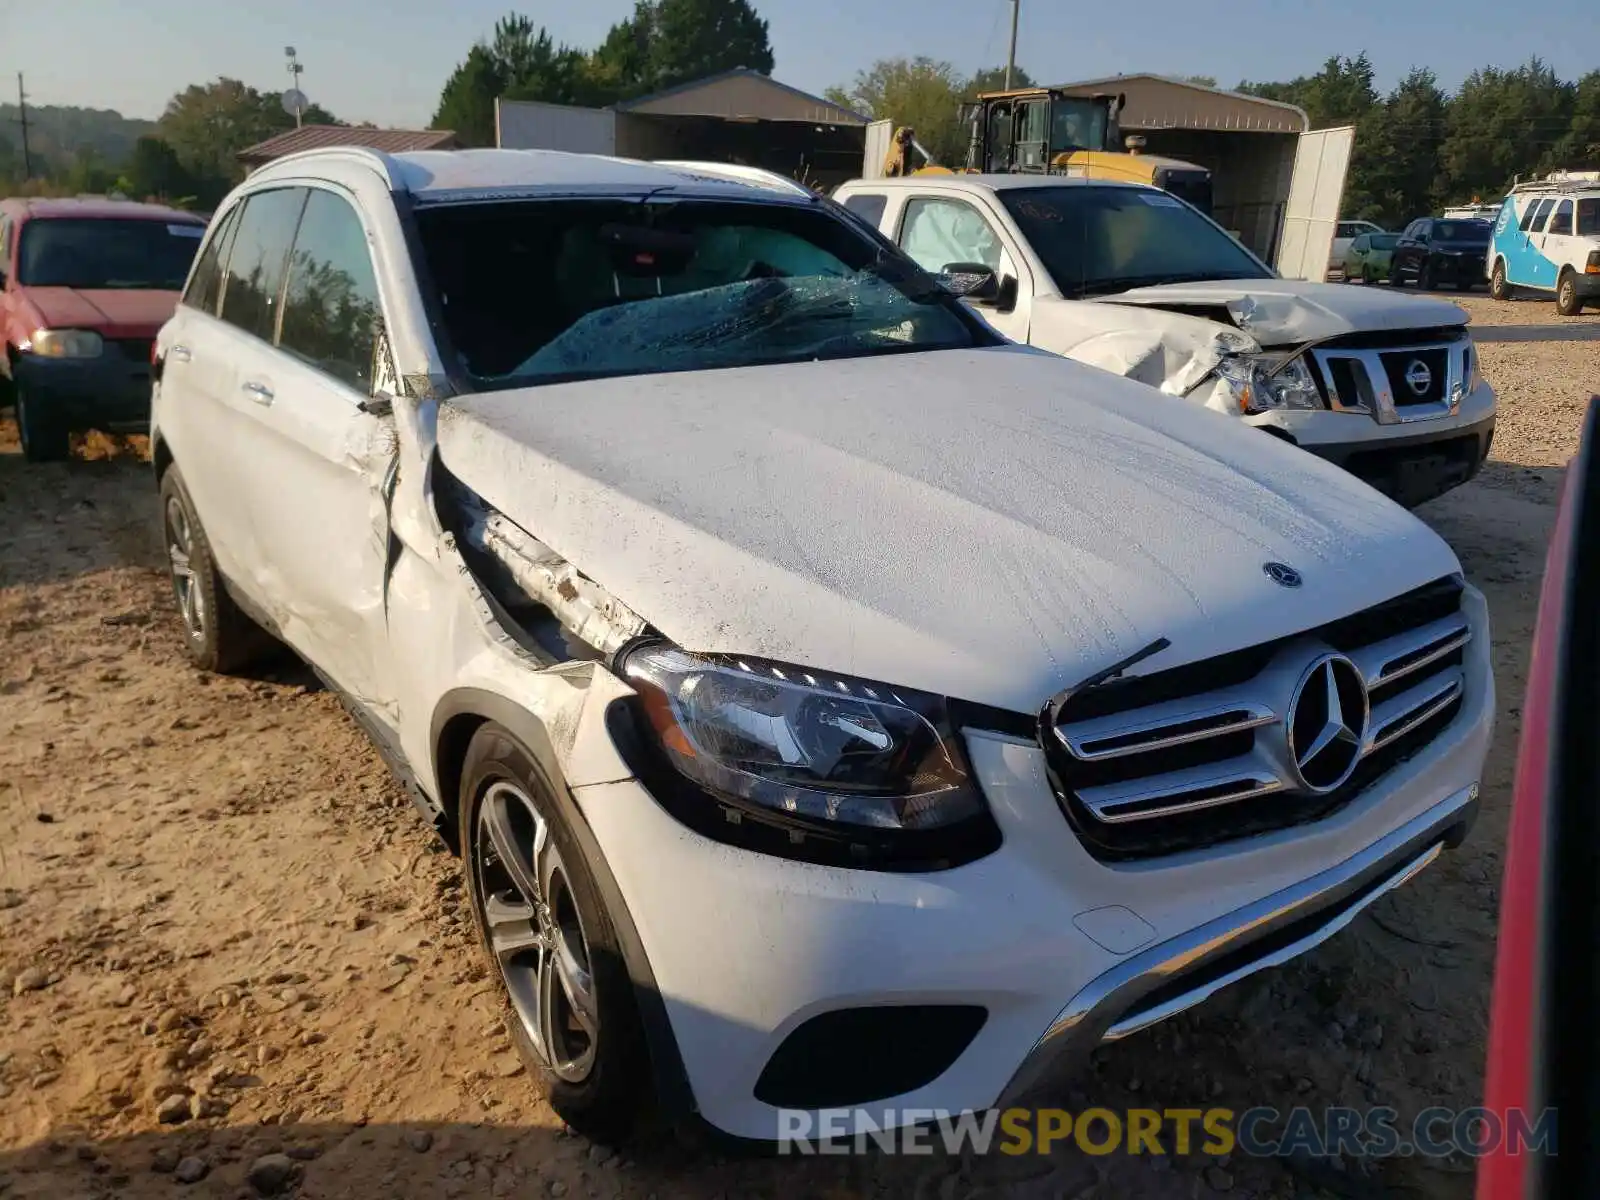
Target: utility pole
pixel 1011 58
pixel 294 76
pixel 22 119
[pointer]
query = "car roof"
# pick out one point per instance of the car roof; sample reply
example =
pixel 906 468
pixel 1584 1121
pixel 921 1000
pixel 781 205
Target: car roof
pixel 999 183
pixel 95 208
pixel 437 175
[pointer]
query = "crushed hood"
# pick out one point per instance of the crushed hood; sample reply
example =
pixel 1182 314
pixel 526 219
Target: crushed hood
pixel 123 312
pixel 1279 312
pixel 988 524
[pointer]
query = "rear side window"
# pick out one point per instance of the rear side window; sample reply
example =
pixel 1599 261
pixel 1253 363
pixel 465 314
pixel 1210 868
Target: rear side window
pixel 205 286
pixel 331 317
pixel 254 278
pixel 868 206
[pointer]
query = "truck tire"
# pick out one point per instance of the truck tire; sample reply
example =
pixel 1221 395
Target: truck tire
pixel 1427 275
pixel 44 438
pixel 1498 287
pixel 1568 302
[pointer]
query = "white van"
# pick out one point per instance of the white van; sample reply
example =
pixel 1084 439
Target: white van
pixel 1547 239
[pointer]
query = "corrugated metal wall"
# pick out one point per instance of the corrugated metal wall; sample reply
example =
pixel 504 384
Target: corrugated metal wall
pixel 530 125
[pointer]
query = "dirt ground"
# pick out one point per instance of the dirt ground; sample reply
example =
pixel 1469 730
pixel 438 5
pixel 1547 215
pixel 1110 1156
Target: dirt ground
pixel 232 960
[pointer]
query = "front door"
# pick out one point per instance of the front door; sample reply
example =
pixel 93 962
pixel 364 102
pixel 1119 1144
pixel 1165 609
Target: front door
pixel 936 231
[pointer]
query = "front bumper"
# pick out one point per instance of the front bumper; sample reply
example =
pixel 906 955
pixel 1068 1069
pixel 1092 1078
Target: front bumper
pixel 109 392
pixel 1059 949
pixel 1410 462
pixel 1462 270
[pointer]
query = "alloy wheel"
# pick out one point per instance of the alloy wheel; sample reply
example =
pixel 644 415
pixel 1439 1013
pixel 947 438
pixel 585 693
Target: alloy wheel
pixel 180 552
pixel 534 932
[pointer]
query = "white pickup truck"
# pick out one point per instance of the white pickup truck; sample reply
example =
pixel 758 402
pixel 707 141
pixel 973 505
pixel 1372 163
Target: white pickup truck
pixel 1130 279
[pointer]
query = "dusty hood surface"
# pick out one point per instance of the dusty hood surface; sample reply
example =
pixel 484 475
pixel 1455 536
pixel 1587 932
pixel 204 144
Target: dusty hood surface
pixel 1277 312
pixel 988 524
pixel 117 310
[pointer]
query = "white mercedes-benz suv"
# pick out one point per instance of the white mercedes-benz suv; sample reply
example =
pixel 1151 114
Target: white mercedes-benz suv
pixel 834 705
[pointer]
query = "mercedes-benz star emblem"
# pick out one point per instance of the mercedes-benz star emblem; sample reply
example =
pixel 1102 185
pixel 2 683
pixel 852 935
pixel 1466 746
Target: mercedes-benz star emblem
pixel 1418 378
pixel 1282 574
pixel 1328 718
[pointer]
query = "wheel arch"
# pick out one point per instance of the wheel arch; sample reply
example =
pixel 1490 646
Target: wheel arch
pixel 457 718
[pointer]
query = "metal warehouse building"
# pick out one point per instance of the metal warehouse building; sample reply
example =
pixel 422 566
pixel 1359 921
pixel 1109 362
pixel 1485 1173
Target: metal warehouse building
pixel 740 116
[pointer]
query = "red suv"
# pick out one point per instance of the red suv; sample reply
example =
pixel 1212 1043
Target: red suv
pixel 86 285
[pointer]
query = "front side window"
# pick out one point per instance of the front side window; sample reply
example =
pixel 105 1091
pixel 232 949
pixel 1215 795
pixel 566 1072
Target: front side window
pixel 1589 216
pixel 254 278
pixel 205 286
pixel 549 290
pixel 936 233
pixel 331 317
pixel 118 253
pixel 1561 219
pixel 1360 244
pixel 1101 240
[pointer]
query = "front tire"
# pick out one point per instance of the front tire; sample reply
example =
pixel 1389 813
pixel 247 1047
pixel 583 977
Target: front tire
pixel 44 436
pixel 547 934
pixel 1499 289
pixel 217 635
pixel 1427 276
pixel 1568 302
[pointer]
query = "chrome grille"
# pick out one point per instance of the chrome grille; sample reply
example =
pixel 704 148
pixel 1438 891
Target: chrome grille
pixel 1201 753
pixel 1372 377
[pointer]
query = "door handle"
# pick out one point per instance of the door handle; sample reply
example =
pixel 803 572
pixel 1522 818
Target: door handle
pixel 178 353
pixel 259 392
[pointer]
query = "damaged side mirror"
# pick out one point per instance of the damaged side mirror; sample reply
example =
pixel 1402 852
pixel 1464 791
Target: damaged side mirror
pixel 971 281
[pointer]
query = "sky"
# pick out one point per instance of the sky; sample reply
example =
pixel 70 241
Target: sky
pixel 386 60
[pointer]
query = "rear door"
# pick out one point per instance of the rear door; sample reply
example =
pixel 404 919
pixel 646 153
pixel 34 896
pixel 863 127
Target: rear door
pixel 319 459
pixel 206 415
pixel 1316 193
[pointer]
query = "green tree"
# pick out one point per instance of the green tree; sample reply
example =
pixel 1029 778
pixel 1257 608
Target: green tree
pixel 208 124
pixel 993 79
pixel 1340 94
pixel 1397 148
pixel 1506 123
pixel 1580 148
pixel 920 92
pixel 691 39
pixel 467 103
pixel 155 170
pixel 620 66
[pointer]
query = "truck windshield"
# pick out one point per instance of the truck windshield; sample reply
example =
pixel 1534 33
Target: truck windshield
pixel 1077 125
pixel 554 290
pixel 106 253
pixel 1100 240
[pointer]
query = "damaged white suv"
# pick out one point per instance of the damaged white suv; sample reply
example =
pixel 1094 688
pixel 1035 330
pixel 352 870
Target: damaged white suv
pixel 834 705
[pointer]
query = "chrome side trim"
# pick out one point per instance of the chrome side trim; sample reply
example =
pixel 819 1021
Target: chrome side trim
pixel 1104 1001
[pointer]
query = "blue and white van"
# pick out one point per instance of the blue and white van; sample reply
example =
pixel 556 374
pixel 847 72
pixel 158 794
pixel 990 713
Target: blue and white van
pixel 1547 239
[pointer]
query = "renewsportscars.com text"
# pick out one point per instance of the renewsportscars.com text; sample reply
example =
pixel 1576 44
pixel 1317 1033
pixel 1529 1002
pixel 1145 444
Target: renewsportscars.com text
pixel 1257 1132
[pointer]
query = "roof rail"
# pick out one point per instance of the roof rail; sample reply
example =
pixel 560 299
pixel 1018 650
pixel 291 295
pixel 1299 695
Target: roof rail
pixel 378 160
pixel 757 176
pixel 1561 181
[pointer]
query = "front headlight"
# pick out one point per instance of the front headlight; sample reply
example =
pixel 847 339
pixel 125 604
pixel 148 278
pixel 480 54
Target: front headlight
pixel 66 343
pixel 824 749
pixel 1269 382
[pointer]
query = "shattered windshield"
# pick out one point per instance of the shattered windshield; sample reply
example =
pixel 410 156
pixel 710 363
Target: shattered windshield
pixel 547 291
pixel 1096 241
